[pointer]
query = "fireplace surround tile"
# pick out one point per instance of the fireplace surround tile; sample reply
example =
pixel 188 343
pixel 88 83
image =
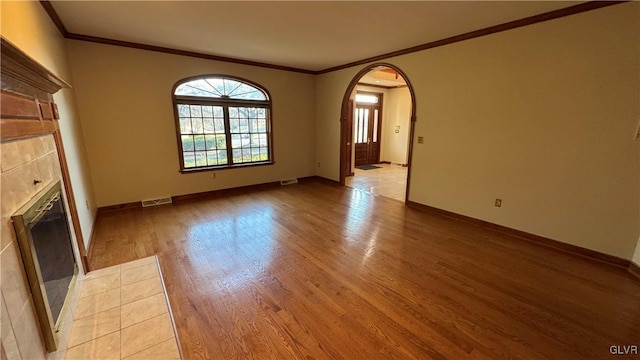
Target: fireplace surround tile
pixel 16 153
pixel 7 234
pixel 9 342
pixel 15 288
pixel 28 334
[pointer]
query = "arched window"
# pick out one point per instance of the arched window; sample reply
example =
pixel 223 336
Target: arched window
pixel 222 122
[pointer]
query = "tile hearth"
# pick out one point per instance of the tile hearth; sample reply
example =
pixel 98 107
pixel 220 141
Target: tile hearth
pixel 122 313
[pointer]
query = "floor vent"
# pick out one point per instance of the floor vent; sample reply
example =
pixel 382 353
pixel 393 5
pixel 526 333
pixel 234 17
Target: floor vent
pixel 156 202
pixel 288 182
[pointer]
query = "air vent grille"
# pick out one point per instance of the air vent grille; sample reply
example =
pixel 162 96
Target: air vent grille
pixel 288 182
pixel 156 202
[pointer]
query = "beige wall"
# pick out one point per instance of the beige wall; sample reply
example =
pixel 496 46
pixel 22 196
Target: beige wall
pixel 397 111
pixel 124 98
pixel 542 117
pixel 27 25
pixel 636 256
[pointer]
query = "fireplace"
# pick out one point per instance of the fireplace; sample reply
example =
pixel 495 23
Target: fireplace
pixel 45 243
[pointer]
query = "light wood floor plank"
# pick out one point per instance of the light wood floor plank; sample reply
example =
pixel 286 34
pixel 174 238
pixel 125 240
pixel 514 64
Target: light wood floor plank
pixel 327 272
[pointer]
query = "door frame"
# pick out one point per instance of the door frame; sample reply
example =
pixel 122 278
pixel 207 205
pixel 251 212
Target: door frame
pixel 346 132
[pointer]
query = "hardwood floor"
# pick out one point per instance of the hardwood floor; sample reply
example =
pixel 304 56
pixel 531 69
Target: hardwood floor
pixel 326 272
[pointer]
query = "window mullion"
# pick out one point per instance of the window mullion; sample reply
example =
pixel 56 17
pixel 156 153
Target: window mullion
pixel 227 126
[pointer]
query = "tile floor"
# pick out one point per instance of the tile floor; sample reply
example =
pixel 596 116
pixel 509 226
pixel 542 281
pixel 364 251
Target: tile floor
pixel 122 313
pixel 389 180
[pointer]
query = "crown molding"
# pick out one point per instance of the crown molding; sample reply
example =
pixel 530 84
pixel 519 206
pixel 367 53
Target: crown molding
pixel 551 15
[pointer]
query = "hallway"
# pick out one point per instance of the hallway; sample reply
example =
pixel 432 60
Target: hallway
pixel 389 180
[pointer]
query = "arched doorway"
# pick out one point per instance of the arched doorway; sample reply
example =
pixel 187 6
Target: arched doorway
pixel 346 122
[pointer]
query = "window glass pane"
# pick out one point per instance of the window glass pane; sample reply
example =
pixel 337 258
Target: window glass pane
pixel 261 113
pixel 221 142
pixel 263 139
pixel 244 125
pixel 199 142
pixel 219 125
pixel 367 98
pixel 235 141
pixel 246 155
pixel 264 154
pixel 207 111
pixel 189 159
pixel 222 157
pixel 248 92
pixel 183 111
pixel 211 142
pixel 255 140
pixel 255 154
pixel 201 158
pixel 262 125
pixel 365 130
pixel 196 111
pixel 196 126
pixel 185 125
pixel 245 140
pixel 187 143
pixel 253 125
pixel 198 87
pixel 243 113
pixel 233 112
pixel 235 125
pixel 208 125
pixel 237 156
pixel 212 158
pixel 218 112
pixel 375 125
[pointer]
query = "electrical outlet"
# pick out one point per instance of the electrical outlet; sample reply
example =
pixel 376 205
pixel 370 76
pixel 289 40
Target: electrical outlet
pixel 213 175
pixel 498 203
pixel 420 139
pixel 86 202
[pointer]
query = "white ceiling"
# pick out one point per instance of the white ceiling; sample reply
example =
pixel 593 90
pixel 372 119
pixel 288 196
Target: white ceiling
pixel 302 34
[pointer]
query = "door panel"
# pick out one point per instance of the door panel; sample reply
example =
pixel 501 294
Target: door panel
pixel 366 134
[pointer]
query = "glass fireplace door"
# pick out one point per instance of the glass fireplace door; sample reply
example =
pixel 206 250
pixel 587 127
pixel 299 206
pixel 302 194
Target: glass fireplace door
pixel 45 244
pixel 52 242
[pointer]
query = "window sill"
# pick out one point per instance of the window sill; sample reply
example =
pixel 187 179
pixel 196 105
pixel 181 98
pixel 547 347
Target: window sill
pixel 225 167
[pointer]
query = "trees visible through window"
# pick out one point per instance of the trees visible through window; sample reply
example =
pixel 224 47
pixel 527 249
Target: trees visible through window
pixel 222 122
